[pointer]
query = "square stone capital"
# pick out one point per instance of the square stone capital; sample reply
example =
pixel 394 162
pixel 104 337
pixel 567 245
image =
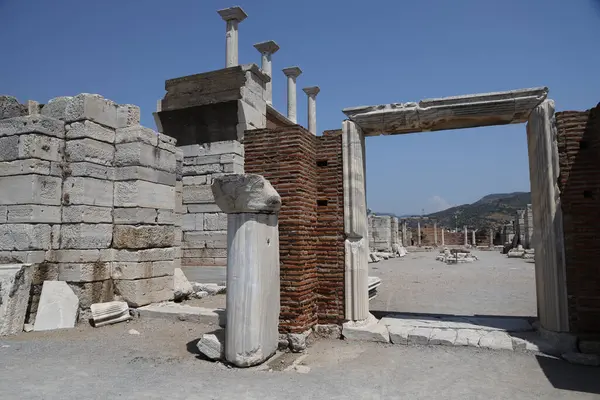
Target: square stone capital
pixel 233 13
pixel 268 47
pixel 293 72
pixel 312 90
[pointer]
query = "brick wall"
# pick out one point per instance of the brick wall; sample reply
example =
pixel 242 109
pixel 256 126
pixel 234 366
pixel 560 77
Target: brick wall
pixel 287 158
pixel 579 183
pixel 330 228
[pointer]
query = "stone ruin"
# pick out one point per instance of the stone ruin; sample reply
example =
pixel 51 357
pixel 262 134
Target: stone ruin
pixel 384 238
pixel 456 256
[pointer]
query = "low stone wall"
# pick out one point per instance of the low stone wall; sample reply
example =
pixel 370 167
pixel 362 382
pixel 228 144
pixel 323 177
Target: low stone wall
pixel 88 196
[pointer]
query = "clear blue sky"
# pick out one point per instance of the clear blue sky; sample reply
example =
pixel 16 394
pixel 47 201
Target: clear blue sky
pixel 358 52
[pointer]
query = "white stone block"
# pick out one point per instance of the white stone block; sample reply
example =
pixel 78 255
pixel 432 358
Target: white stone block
pixel 135 216
pixel 87 214
pixel 135 134
pixel 369 330
pixel 91 107
pixel 15 284
pixel 496 340
pixel 182 287
pixel 445 337
pixel 142 237
pixel 212 346
pixel 198 194
pixel 58 307
pixel 84 272
pixel 145 174
pixel 419 336
pixel 30 189
pixel 25 237
pixel 140 292
pixel 144 194
pixel 89 150
pixel 139 270
pixel 88 191
pixel 142 154
pixel 32 124
pixel 25 167
pixel 85 236
pixel 89 129
pixel 32 214
pixel 468 337
pixel 109 313
pixel 89 170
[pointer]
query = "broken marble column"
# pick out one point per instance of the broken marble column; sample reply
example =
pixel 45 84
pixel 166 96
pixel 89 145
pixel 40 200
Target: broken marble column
pixel 58 308
pixel 15 284
pixel 312 93
pixel 291 73
pixel 252 205
pixel 110 312
pixel 232 16
pixel 267 49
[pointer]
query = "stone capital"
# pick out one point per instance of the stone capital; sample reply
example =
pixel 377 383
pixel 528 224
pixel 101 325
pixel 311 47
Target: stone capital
pixel 293 72
pixel 233 13
pixel 245 193
pixel 268 47
pixel 312 90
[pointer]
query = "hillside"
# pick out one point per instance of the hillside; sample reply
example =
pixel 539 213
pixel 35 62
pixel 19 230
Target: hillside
pixel 489 211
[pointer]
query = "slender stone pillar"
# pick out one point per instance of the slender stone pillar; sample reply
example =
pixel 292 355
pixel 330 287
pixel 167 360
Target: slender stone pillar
pixel 473 237
pixel 491 237
pixel 435 233
pixel 312 93
pixel 466 236
pixel 404 236
pixel 443 242
pixel 267 49
pixel 252 205
pixel 418 233
pixel 232 16
pixel 292 73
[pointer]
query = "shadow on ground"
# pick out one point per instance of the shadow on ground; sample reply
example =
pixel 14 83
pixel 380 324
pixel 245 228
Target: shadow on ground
pixel 476 319
pixel 565 376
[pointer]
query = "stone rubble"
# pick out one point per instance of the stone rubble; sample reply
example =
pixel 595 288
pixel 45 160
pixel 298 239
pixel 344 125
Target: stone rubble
pixel 109 313
pixel 58 307
pixel 182 288
pixel 15 284
pixel 455 256
pixel 212 345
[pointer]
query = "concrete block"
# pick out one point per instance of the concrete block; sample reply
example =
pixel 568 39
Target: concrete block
pixel 93 292
pixel 137 134
pixel 32 124
pixel 144 194
pixel 198 194
pixel 84 272
pixel 30 146
pixel 141 237
pixel 145 174
pixel 31 214
pixel 58 307
pixel 30 189
pixel 215 222
pixel 139 153
pixel 87 191
pixel 128 115
pixel 137 215
pixel 139 270
pixel 25 167
pixel 158 254
pixel 87 214
pixel 25 237
pixel 92 107
pixel 89 170
pixel 89 129
pixel 10 107
pixel 89 150
pixel 140 292
pixel 15 284
pixel 85 236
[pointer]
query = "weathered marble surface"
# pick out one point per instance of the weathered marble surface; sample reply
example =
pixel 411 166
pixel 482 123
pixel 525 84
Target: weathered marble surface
pixel 109 313
pixel 455 112
pixel 15 283
pixel 58 308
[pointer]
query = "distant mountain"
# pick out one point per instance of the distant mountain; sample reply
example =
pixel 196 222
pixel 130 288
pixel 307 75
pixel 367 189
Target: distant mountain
pixel 490 211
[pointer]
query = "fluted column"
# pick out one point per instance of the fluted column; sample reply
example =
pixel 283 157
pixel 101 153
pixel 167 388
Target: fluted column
pixel 232 16
pixel 312 93
pixel 292 73
pixel 267 49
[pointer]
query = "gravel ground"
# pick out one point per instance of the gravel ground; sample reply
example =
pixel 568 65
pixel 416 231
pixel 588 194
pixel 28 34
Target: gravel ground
pixel 492 285
pixel 161 362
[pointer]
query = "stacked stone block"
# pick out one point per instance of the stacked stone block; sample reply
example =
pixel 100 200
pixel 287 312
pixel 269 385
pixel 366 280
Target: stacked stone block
pixel 382 233
pixel 204 225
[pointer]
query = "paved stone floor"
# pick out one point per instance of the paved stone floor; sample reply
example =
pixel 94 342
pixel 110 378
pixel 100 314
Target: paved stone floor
pixel 493 285
pixel 161 362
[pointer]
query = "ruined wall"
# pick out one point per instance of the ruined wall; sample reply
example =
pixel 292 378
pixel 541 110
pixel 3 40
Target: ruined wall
pixel 380 238
pixel 88 195
pixel 204 224
pixel 287 157
pixel 330 228
pixel 579 158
